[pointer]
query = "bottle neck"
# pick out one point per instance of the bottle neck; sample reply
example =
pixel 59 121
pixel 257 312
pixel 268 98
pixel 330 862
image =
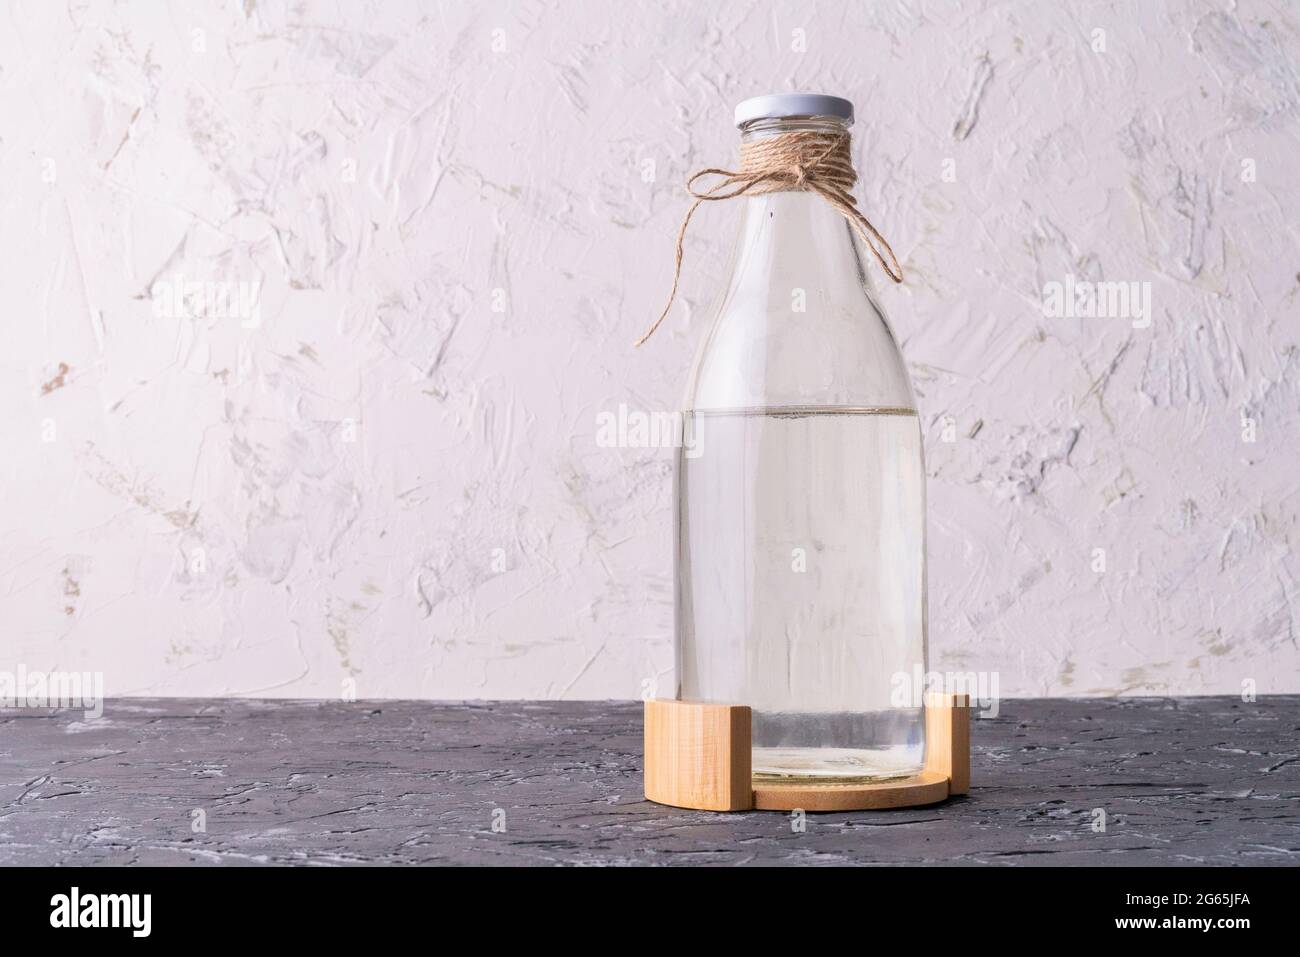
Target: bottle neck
pixel 798 324
pixel 758 129
pixel 795 238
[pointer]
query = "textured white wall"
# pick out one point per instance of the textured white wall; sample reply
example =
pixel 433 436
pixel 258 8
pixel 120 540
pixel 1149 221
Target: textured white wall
pixel 395 478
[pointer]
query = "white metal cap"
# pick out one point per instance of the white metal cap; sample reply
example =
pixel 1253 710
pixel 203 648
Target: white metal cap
pixel 781 105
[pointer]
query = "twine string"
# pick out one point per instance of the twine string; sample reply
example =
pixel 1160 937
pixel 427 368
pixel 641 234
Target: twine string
pixel 804 161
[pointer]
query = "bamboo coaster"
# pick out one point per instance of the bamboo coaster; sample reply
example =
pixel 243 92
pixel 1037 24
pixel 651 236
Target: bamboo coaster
pixel 697 755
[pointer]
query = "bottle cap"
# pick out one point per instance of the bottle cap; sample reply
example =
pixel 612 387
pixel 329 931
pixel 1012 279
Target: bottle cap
pixel 782 105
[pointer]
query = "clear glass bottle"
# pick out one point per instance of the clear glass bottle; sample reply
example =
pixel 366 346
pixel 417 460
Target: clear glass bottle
pixel 800 499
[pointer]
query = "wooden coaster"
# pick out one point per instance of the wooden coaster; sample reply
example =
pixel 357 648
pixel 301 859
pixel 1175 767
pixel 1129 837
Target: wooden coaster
pixel 928 787
pixel 697 755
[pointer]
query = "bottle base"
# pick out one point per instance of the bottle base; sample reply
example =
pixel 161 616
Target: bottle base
pixel 838 746
pixel 834 765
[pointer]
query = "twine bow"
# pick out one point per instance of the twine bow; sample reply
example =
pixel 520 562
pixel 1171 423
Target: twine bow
pixel 788 162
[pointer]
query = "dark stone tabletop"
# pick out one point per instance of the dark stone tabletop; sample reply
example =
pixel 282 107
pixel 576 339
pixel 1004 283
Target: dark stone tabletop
pixel 184 781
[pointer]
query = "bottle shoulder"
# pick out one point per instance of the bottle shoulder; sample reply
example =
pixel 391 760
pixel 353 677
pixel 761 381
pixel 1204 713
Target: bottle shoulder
pixel 798 323
pixel 821 353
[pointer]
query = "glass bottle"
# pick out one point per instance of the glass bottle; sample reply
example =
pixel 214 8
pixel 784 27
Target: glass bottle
pixel 800 495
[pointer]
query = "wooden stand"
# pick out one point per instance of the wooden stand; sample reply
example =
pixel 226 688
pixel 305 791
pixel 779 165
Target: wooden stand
pixel 698 755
